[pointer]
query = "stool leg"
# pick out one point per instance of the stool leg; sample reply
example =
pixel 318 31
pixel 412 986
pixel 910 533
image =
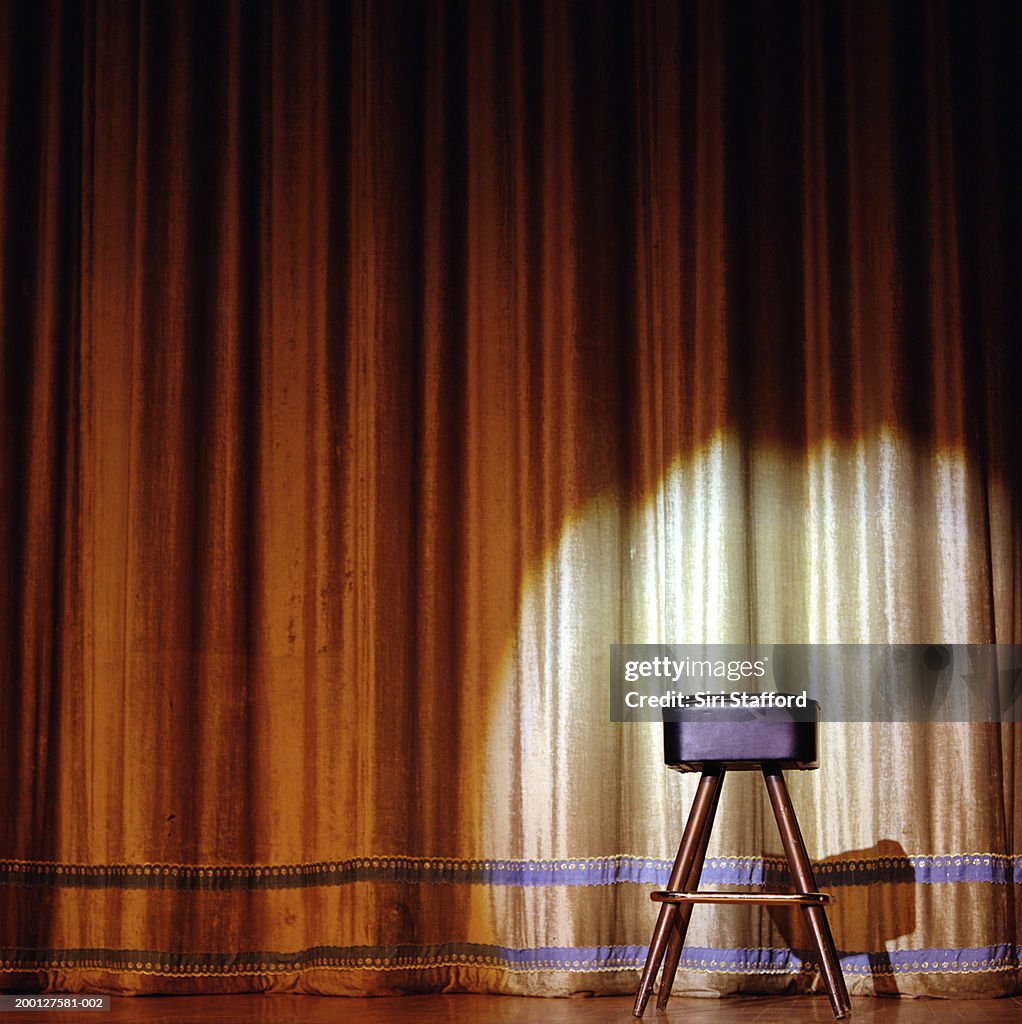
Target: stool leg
pixel 709 785
pixel 681 918
pixel 802 876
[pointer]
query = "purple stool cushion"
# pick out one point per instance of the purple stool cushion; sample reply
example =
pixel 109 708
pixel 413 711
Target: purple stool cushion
pixel 741 737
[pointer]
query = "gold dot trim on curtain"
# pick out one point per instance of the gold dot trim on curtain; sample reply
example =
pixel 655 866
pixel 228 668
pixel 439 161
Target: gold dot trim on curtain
pixel 368 369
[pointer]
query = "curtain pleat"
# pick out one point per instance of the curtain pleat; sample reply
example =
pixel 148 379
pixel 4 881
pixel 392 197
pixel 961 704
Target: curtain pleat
pixel 368 369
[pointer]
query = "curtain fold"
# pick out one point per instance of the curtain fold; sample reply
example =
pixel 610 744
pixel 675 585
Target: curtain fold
pixel 369 368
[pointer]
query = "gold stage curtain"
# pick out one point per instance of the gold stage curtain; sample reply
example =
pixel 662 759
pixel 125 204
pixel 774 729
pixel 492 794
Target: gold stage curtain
pixel 370 368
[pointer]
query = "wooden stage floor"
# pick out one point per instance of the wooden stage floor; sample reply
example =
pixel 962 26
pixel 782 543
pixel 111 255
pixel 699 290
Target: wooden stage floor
pixel 472 1009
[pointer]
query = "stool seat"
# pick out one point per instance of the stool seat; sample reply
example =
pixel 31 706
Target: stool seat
pixel 742 738
pixel 764 733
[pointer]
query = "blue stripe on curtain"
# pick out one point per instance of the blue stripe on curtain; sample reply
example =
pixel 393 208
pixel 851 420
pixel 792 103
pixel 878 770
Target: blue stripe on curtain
pixel 540 958
pixel 924 869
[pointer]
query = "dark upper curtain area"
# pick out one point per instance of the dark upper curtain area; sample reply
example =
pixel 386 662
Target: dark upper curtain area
pixel 786 157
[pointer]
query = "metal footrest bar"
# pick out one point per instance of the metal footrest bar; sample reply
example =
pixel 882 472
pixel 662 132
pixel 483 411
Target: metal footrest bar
pixel 816 899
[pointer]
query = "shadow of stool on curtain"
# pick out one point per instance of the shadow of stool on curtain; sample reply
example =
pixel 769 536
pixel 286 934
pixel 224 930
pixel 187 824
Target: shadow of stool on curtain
pixel 715 740
pixel 881 910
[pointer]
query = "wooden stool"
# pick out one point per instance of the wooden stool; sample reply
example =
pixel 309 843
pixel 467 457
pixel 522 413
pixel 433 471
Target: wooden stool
pixel 715 741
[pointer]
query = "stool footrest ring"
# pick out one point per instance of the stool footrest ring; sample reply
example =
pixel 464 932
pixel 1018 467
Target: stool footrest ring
pixel 767 898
